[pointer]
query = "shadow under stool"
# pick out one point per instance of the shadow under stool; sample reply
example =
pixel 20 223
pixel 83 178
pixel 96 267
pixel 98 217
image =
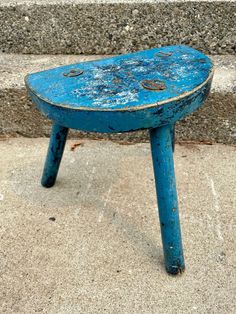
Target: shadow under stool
pixel 150 89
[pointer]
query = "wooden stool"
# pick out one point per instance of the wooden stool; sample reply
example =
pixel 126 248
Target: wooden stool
pixel 149 89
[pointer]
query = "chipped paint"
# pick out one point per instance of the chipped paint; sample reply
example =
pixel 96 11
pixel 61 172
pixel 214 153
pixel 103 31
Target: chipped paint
pixel 182 71
pixel 163 165
pixel 126 120
pixel 54 155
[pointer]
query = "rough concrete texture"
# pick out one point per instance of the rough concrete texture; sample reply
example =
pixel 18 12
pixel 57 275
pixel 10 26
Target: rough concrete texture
pixel 91 244
pixel 215 121
pixel 79 27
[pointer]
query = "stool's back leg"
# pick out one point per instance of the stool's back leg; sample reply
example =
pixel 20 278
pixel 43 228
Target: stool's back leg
pixel 163 164
pixel 54 154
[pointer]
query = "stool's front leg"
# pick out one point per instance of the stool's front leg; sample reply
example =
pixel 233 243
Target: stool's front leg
pixel 54 154
pixel 163 164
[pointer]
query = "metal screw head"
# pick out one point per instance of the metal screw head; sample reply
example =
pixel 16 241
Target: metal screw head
pixel 163 54
pixel 73 73
pixel 155 85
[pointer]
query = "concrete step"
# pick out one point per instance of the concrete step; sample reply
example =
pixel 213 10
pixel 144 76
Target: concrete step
pixel 107 27
pixel 214 122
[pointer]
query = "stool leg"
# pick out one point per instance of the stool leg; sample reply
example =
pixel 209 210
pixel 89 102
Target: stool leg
pixel 163 164
pixel 54 155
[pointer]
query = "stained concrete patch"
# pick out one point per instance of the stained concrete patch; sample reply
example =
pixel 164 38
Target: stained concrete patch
pixel 91 244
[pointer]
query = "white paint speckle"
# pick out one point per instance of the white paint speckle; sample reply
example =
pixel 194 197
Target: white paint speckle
pixel 1 197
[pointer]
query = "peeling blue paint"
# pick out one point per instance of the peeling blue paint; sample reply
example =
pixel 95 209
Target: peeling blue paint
pixel 115 83
pixel 124 121
pixel 54 155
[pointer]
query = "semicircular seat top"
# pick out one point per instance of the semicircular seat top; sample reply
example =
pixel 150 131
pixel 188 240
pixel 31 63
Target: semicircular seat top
pixel 127 82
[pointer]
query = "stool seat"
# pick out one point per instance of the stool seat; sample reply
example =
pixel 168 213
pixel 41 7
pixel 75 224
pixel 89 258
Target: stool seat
pixel 136 87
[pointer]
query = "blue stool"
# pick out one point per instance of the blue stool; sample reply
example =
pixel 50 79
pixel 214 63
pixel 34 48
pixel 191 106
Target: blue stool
pixel 149 89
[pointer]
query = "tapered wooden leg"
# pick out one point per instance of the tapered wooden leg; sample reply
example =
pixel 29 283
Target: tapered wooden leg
pixel 54 155
pixel 163 164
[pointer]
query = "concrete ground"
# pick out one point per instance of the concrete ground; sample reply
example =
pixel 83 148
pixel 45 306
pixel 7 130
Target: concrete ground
pixel 92 243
